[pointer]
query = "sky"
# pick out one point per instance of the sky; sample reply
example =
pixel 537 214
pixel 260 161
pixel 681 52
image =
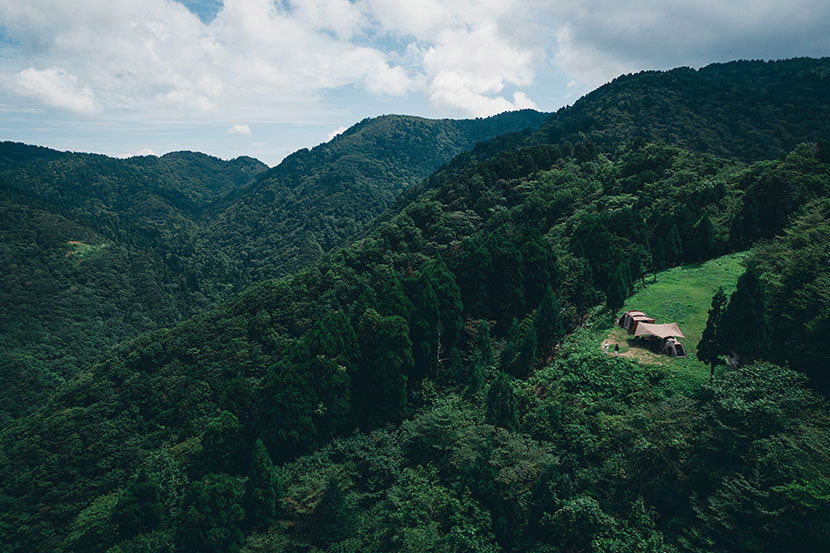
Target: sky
pixel 267 77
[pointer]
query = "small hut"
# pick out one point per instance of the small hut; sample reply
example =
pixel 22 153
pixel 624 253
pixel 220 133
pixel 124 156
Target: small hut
pixel 626 320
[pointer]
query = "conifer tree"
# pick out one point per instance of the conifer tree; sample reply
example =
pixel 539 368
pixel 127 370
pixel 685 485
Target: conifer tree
pixel 263 490
pixel 525 352
pixel 674 247
pixel 483 343
pixel 424 328
pixel 744 327
pixel 475 381
pixel 616 294
pixel 211 516
pixel 709 346
pixel 511 347
pixel 449 304
pixel 502 406
pixel 332 519
pixel 386 364
pixel 139 508
pixel 548 323
pixel 221 442
pixel 703 238
pixel 455 370
pixel 393 300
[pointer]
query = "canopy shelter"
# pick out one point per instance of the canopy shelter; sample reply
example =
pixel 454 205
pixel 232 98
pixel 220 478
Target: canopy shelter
pixel 669 330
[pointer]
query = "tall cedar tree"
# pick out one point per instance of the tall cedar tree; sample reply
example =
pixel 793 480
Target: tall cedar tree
pixel 709 346
pixel 221 445
pixel 475 383
pixel 502 406
pixel 211 516
pixel 617 290
pixel 331 520
pixel 511 348
pixel 703 238
pixel 139 508
pixel 483 343
pixel 424 330
pixel 393 300
pixel 744 327
pixel 472 266
pixel 450 307
pixel 505 287
pixel 287 412
pixel 328 356
pixel 263 490
pixel 548 322
pixel 526 349
pixel 540 267
pixel 386 363
pixel 674 247
pixel 454 368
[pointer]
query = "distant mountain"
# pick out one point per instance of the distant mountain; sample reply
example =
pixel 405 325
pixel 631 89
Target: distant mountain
pixel 316 198
pixel 747 110
pixel 99 249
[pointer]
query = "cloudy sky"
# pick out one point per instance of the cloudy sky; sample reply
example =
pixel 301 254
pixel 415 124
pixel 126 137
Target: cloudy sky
pixel 266 77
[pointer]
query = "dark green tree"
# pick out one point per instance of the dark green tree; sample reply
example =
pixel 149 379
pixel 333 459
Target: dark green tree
pixel 393 300
pixel 502 406
pixel 386 364
pixel 263 490
pixel 454 368
pixel 475 381
pixel 332 518
pixel 139 508
pixel 483 343
pixel 540 269
pixel 211 516
pixel 548 322
pixel 674 247
pixel 287 412
pixel 424 327
pixel 708 349
pixel 617 291
pixel 526 351
pixel 221 445
pixel 744 327
pixel 703 238
pixel 450 307
pixel 506 284
pixel 472 265
pixel 511 347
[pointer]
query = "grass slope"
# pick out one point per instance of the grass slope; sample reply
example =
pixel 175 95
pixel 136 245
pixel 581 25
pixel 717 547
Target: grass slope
pixel 682 295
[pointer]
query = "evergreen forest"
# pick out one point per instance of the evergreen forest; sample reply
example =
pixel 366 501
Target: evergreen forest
pixel 393 342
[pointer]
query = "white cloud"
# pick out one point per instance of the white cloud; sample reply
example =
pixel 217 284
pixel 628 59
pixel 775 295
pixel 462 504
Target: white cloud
pixel 240 129
pixel 56 88
pixel 288 61
pixel 141 152
pixel 335 132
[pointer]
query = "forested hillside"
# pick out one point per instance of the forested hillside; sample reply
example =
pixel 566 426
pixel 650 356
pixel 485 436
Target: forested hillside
pixel 101 249
pixel 435 385
pixel 382 330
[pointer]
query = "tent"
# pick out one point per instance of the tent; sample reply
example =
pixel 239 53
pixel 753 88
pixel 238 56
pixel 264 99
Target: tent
pixel 673 348
pixel 635 321
pixel 625 319
pixel 669 330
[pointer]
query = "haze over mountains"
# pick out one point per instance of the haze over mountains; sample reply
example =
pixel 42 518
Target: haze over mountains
pixel 374 268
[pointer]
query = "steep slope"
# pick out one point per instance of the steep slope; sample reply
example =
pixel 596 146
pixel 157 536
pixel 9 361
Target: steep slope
pixel 316 198
pixel 103 249
pixel 748 110
pixel 291 359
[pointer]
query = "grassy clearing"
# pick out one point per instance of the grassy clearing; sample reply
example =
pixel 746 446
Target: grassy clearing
pixel 78 251
pixel 682 295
